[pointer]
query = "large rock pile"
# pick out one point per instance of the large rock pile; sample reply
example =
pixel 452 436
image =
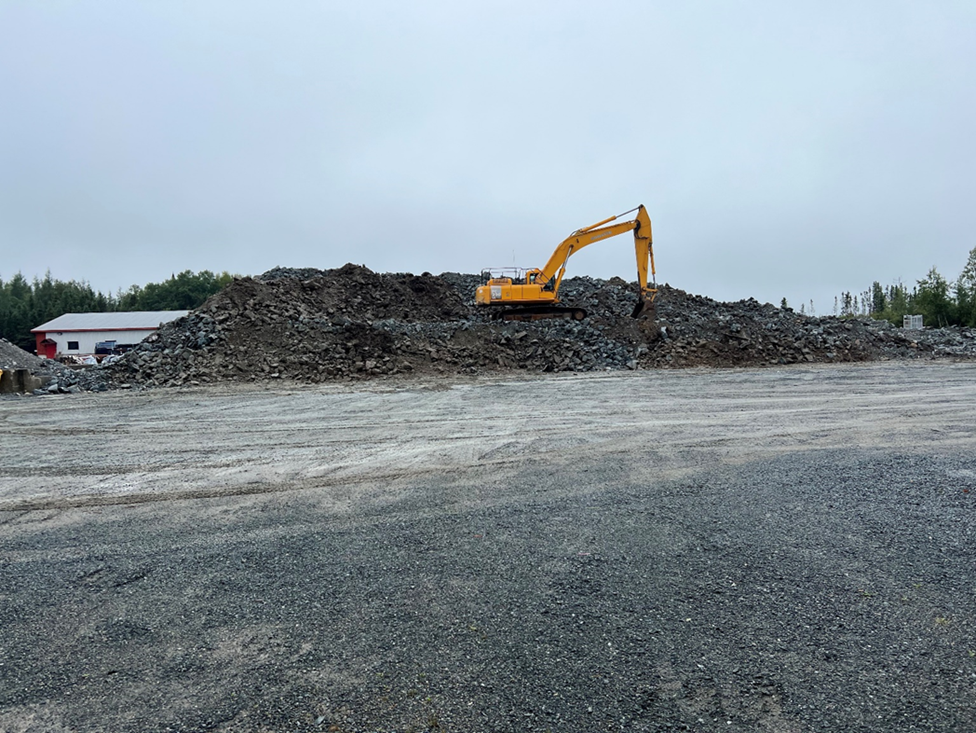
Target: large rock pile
pixel 698 331
pixel 313 326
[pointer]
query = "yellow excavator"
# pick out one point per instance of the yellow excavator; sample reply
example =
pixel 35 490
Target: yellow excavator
pixel 528 295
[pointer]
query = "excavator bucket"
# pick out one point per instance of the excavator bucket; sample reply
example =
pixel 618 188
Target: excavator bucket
pixel 642 307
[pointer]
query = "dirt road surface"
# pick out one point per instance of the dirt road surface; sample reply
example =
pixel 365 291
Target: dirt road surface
pixel 786 549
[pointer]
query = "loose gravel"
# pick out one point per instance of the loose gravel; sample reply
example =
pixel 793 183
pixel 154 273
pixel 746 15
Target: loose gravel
pixel 784 549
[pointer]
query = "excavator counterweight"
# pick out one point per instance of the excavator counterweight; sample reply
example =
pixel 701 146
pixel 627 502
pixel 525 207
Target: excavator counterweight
pixel 533 294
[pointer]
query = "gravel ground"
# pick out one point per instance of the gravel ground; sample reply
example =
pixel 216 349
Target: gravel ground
pixel 786 549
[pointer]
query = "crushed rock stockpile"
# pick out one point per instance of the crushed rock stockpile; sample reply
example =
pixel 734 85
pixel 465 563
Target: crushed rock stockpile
pixel 14 357
pixel 320 325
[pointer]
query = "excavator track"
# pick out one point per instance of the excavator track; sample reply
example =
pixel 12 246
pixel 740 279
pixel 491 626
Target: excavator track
pixel 539 312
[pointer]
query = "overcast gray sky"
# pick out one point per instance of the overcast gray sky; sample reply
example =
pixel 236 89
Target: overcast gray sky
pixel 782 149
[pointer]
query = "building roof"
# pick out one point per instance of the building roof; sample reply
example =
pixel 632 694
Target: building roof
pixel 120 321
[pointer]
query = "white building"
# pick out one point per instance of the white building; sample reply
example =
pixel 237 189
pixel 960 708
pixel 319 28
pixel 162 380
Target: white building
pixel 77 334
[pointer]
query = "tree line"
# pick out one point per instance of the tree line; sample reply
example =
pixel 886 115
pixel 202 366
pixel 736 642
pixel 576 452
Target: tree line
pixel 940 302
pixel 26 304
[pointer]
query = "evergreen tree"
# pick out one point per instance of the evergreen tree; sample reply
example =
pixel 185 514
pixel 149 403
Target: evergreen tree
pixel 966 291
pixel 933 302
pixel 878 300
pixel 847 307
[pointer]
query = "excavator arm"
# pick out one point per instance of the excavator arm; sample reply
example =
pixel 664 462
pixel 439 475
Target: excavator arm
pixel 552 273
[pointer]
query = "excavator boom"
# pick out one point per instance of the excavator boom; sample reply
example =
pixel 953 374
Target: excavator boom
pixel 535 294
